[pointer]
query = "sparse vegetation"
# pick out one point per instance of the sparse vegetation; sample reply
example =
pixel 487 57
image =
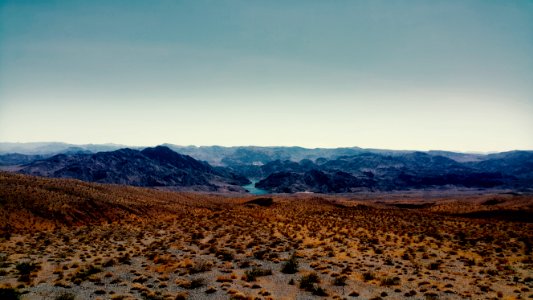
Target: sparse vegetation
pixel 150 244
pixel 83 274
pixel 388 281
pixel 251 275
pixel 340 280
pixel 368 276
pixel 66 296
pixel 7 293
pixel 25 268
pixel 307 281
pixel 291 265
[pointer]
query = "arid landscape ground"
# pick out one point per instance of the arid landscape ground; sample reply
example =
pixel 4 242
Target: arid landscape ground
pixel 67 239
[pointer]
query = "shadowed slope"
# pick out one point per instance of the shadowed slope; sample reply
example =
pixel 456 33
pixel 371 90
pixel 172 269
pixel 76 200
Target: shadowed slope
pixel 29 202
pixel 157 166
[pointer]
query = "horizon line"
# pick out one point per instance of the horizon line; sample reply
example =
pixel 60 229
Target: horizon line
pixel 267 146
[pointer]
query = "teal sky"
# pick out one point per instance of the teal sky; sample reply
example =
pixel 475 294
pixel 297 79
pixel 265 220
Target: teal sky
pixel 451 75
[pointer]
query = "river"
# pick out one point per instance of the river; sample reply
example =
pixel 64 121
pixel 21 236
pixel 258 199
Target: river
pixel 253 190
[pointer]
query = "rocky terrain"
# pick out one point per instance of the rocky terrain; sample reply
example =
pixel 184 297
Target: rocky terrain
pixel 418 170
pixel 154 167
pixel 68 239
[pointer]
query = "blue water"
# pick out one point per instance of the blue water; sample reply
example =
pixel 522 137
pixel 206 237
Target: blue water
pixel 253 190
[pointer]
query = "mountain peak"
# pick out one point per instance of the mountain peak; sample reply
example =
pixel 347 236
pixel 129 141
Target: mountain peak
pixel 158 166
pixel 165 155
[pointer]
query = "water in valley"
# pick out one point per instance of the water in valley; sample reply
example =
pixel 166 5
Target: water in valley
pixel 253 190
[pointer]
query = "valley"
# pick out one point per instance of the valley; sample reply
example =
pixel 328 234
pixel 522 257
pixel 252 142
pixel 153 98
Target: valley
pixel 276 169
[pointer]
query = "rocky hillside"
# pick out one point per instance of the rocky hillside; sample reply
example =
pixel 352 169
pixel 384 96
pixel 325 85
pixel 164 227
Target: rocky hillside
pixel 153 167
pixel 372 171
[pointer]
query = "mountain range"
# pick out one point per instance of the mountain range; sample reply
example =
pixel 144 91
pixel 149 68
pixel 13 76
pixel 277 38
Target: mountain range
pixel 153 167
pixel 371 171
pixel 276 169
pixel 219 155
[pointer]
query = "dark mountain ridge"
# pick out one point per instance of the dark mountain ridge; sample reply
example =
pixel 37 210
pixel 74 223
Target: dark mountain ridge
pixel 155 167
pixel 417 170
pixel 278 169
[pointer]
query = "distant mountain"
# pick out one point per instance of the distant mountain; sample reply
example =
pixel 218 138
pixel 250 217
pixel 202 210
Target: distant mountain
pixel 458 156
pixel 237 156
pixel 11 159
pixel 518 164
pixel 254 155
pixel 276 169
pixel 417 170
pixel 51 148
pixel 315 181
pixel 154 167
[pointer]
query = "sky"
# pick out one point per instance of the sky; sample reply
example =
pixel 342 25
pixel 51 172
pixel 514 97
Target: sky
pixel 449 75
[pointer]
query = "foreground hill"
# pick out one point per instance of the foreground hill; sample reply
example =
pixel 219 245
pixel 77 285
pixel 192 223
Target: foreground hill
pixel 154 167
pixel 77 240
pixel 38 203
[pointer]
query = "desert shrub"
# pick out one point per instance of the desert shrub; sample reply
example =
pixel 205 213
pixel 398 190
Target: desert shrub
pixel 224 279
pixel 244 264
pixel 5 235
pixel 109 263
pixel 431 296
pixel 25 268
pixel 182 296
pixel 367 276
pixel 388 281
pixel 197 236
pixel 307 281
pixel 340 281
pixel 318 291
pixel 259 254
pixel 124 259
pixel 191 284
pixel 65 296
pixel 8 293
pixel 200 267
pixel 140 279
pixel 252 274
pixel 197 282
pixel 225 255
pixel 82 275
pixel 290 266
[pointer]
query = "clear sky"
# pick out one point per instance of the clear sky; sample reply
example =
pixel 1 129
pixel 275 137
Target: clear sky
pixel 451 75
